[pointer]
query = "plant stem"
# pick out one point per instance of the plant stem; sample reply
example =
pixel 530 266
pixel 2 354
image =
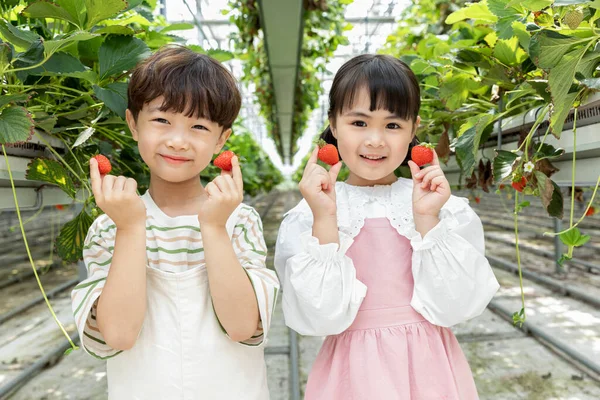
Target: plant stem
pixel 12 183
pixel 516 219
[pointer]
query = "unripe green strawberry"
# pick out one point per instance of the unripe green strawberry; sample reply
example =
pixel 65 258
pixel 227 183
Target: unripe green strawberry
pixel 573 18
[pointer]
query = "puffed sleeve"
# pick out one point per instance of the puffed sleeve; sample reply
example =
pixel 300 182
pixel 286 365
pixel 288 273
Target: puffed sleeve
pixel 454 281
pixel 97 255
pixel 320 293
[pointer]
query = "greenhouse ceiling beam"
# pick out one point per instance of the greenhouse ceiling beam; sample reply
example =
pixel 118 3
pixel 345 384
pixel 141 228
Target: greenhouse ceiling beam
pixel 221 22
pixel 282 27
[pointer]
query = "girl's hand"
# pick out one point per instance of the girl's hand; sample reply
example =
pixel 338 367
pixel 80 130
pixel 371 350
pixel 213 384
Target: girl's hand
pixel 318 187
pixel 225 193
pixel 431 188
pixel 117 197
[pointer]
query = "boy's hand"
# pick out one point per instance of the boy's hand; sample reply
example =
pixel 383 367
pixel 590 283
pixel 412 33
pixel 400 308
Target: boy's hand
pixel 431 189
pixel 318 187
pixel 225 193
pixel 117 197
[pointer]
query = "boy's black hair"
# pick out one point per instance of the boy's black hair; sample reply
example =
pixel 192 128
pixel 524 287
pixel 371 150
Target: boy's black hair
pixel 191 83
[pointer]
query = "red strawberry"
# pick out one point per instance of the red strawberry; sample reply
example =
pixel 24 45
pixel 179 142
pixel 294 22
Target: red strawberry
pixel 103 164
pixel 328 153
pixel 519 185
pixel 59 207
pixel 422 154
pixel 223 161
pixel 477 200
pixel 591 211
pixel 502 186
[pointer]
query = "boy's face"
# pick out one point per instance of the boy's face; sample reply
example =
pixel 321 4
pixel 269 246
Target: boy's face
pixel 176 148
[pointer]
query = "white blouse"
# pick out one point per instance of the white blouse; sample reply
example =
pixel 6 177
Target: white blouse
pixel 453 281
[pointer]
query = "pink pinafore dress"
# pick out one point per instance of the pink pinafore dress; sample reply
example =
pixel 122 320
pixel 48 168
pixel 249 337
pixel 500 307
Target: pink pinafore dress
pixel 390 352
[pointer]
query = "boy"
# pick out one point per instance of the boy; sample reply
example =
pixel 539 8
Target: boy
pixel 178 299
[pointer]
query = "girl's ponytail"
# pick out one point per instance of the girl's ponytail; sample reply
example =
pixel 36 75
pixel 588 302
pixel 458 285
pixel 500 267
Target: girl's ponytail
pixel 328 137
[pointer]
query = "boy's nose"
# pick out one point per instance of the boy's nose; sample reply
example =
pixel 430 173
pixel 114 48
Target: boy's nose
pixel 178 141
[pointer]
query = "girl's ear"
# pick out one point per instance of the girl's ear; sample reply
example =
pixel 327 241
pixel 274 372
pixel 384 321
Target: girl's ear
pixel 132 124
pixel 416 126
pixel 332 128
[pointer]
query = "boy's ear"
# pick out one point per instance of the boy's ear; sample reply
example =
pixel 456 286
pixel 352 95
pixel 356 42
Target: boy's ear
pixel 132 124
pixel 222 139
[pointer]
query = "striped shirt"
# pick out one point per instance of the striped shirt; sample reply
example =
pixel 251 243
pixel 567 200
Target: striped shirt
pixel 173 244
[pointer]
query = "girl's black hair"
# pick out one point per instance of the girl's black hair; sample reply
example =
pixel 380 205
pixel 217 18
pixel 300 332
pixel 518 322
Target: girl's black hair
pixel 391 84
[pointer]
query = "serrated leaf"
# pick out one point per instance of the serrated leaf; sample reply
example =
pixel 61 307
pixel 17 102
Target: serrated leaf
pixel 182 26
pixel 18 37
pixel 549 151
pixel 120 53
pixel 531 5
pixel 69 243
pixel 13 98
pixel 115 29
pixel 114 97
pixel 555 208
pixel 561 112
pixel 220 55
pixel 475 11
pixel 548 47
pixel 509 53
pixel 58 64
pixel 84 136
pixel 98 10
pixel 64 10
pixel 5 55
pixel 467 144
pixel 561 76
pixel 545 187
pixel 571 237
pixel 502 8
pixel 16 125
pixel 50 171
pixel 52 46
pixel 502 166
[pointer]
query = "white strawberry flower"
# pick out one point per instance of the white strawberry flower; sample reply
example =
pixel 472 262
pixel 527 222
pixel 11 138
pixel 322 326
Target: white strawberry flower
pixel 528 166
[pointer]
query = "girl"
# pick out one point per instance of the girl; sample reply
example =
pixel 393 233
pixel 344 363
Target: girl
pixel 379 264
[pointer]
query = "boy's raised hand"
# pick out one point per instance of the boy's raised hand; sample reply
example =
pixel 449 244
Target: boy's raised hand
pixel 225 193
pixel 117 197
pixel 318 186
pixel 431 189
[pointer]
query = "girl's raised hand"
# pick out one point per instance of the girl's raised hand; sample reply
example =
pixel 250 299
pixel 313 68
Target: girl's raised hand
pixel 431 188
pixel 318 186
pixel 117 197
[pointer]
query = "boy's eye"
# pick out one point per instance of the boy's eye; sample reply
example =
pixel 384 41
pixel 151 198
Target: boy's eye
pixel 161 120
pixel 200 127
pixel 393 125
pixel 359 123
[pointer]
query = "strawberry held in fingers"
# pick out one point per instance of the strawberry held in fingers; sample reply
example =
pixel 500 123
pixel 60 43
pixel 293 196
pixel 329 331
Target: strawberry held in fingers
pixel 328 153
pixel 103 164
pixel 422 154
pixel 223 161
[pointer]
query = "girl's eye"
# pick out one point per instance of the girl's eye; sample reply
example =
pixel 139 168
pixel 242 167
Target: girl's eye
pixel 393 125
pixel 359 123
pixel 202 127
pixel 161 120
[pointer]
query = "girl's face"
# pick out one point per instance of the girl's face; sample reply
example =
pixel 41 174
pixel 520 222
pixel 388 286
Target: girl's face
pixel 372 143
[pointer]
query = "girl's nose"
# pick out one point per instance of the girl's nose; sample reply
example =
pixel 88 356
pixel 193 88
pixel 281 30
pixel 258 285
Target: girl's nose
pixel 374 139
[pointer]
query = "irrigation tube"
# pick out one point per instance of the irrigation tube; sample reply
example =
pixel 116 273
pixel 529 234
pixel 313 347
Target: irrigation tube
pixel 538 332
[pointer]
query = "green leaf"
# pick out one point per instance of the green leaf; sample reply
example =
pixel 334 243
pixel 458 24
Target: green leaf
pixel 114 97
pixel 548 151
pixel 502 165
pixel 16 125
pixel 58 64
pixel 33 56
pixel 115 29
pixel 5 55
pixel 588 64
pixel 50 171
pixel 13 98
pixel 555 208
pixel 17 37
pixel 532 5
pixel 548 47
pixel 505 8
pixel 66 10
pixel 120 53
pixel 52 46
pixel 467 144
pixel 560 3
pixel 70 241
pixel 520 31
pixel 474 11
pixel 573 237
pixel 98 10
pixel 220 55
pixel 182 26
pixel 509 53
